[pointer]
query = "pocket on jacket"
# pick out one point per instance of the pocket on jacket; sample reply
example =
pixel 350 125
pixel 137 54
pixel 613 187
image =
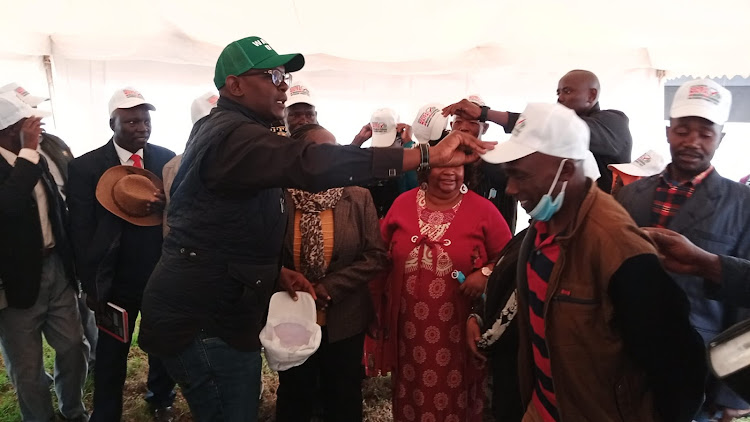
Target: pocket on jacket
pixel 255 283
pixel 718 243
pixel 577 318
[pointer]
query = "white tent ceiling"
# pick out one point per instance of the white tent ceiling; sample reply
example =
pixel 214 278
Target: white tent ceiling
pixel 421 36
pixel 365 55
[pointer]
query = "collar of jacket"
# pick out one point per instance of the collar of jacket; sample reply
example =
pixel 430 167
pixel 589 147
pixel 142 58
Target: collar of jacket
pixel 594 109
pixel 569 232
pixel 230 105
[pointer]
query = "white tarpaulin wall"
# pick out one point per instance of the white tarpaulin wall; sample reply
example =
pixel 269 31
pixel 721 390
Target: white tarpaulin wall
pixel 364 55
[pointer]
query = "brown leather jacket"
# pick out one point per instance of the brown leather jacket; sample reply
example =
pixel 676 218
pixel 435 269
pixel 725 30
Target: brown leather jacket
pixel 616 325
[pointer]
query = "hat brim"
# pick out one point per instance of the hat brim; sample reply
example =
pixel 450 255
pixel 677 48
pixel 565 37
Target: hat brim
pixel 630 170
pixel 590 167
pixel 506 152
pixel 33 100
pixel 40 113
pixel 104 194
pixel 383 141
pixel 300 99
pixel 133 102
pixel 693 110
pixel 291 62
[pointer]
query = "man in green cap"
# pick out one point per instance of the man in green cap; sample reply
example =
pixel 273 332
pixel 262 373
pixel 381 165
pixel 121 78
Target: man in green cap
pixel 205 302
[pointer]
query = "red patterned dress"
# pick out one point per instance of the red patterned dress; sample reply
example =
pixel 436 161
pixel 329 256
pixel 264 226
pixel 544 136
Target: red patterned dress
pixel 435 379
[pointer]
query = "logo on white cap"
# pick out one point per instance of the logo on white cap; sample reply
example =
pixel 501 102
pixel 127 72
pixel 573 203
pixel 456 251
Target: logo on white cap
pixel 648 164
pixel 127 98
pixel 23 94
pixel 299 93
pixel 429 123
pixel 383 123
pixel 702 98
pixel 551 129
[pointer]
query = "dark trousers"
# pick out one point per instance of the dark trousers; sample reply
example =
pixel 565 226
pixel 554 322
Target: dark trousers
pixel 506 394
pixel 338 366
pixel 111 371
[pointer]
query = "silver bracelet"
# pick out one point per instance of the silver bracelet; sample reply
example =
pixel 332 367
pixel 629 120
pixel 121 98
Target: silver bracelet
pixel 477 317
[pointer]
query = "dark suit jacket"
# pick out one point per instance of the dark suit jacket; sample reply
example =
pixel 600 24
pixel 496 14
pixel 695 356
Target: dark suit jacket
pixel 21 232
pixel 59 152
pixel 359 254
pixel 94 230
pixel 716 219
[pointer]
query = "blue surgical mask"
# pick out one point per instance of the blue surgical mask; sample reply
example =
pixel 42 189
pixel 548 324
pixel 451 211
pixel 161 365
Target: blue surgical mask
pixel 547 207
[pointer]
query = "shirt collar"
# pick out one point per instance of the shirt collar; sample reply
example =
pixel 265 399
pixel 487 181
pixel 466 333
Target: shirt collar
pixel 695 181
pixel 9 156
pixel 124 155
pixel 542 234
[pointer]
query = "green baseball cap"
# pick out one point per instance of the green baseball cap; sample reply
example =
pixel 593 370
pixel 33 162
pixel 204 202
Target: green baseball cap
pixel 252 53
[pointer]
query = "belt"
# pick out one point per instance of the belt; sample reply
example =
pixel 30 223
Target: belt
pixel 46 252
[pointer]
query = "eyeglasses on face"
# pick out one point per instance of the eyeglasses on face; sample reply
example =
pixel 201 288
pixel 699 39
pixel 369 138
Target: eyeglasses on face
pixel 277 76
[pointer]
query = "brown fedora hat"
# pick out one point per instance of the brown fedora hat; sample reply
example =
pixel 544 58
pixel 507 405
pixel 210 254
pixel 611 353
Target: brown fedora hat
pixel 126 191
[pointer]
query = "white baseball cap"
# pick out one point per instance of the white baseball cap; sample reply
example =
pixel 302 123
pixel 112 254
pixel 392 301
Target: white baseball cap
pixel 291 334
pixel 476 99
pixel 299 93
pixel 23 95
pixel 202 106
pixel 12 109
pixel 429 123
pixel 551 129
pixel 648 164
pixel 702 98
pixel 383 123
pixel 127 98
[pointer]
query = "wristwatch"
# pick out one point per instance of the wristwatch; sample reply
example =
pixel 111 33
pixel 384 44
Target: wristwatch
pixel 483 114
pixel 486 271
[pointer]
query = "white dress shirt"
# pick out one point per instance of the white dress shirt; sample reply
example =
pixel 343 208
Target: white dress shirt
pixel 39 194
pixel 124 155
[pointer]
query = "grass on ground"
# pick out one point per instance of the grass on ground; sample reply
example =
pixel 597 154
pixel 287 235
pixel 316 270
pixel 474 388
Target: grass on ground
pixel 376 392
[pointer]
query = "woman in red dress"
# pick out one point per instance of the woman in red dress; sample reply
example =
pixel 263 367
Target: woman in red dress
pixel 433 232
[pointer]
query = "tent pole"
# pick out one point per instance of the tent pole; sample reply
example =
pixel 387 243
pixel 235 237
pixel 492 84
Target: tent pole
pixel 47 59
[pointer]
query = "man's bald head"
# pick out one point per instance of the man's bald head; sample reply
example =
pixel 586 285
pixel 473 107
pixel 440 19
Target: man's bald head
pixel 578 90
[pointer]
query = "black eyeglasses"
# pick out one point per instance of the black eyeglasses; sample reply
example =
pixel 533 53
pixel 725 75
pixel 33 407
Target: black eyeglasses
pixel 277 76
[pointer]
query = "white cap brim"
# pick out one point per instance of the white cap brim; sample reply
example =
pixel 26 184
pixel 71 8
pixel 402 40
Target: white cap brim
pixel 283 307
pixel 696 110
pixel 590 167
pixel 33 100
pixel 383 140
pixel 506 152
pixel 39 113
pixel 299 99
pixel 629 169
pixel 130 103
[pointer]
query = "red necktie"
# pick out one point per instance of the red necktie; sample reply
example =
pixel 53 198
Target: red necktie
pixel 137 161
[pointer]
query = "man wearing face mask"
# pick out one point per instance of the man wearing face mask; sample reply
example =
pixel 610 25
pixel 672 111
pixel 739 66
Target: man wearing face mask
pixel 598 316
pixel 578 90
